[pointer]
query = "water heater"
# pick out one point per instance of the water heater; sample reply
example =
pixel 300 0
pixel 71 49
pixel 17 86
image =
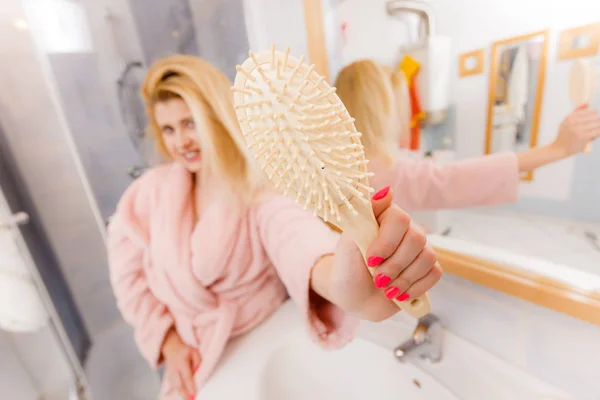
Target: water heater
pixel 432 53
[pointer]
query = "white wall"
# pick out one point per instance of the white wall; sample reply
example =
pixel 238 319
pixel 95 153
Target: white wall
pixel 474 24
pixel 278 22
pixel 551 346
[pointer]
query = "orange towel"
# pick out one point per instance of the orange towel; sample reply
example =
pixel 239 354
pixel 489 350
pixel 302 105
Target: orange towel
pixel 411 68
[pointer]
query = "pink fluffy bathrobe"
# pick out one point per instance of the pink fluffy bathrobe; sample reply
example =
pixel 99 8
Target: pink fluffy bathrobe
pixel 218 278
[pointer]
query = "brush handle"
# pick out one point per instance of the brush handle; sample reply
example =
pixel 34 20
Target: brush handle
pixel 363 230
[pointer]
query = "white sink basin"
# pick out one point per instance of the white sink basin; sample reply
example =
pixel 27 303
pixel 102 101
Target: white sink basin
pixel 278 361
pixel 301 370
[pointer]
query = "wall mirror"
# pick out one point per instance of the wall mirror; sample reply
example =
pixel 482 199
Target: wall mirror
pixel 517 75
pixel 545 246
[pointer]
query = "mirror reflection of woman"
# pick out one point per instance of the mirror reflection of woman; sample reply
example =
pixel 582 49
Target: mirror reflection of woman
pixel 200 251
pixel 372 97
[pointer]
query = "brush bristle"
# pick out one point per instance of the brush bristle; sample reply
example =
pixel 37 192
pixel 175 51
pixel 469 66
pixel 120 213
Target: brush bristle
pixel 301 134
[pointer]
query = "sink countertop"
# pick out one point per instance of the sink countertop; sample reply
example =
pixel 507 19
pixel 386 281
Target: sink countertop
pixel 467 371
pixel 563 250
pixel 559 240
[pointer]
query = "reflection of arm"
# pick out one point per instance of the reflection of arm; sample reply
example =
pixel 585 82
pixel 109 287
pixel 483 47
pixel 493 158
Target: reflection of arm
pixel 296 242
pixel 425 185
pixel 539 156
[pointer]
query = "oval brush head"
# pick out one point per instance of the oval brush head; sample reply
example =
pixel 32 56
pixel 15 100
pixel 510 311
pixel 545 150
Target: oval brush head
pixel 302 136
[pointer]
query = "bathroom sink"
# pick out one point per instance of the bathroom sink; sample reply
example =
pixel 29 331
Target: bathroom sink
pixel 279 361
pixel 301 370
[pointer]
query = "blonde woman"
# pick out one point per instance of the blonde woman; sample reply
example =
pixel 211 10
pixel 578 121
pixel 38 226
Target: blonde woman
pixel 365 88
pixel 200 252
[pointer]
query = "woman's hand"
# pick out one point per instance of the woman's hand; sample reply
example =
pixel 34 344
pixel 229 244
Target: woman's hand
pixel 577 130
pixel 405 267
pixel 181 362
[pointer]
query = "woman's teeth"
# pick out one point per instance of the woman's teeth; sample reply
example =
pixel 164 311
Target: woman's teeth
pixel 191 155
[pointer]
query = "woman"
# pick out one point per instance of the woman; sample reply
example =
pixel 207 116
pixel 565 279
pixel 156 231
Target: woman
pixel 200 252
pixel 365 88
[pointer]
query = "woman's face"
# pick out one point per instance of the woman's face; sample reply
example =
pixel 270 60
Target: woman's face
pixel 179 133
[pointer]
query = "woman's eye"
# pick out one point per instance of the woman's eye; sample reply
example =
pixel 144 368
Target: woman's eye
pixel 190 125
pixel 167 130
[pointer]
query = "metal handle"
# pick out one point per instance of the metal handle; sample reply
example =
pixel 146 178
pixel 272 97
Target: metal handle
pixel 136 171
pixel 20 218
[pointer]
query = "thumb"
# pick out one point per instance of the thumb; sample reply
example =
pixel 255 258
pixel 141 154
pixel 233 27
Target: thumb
pixel 381 201
pixel 196 360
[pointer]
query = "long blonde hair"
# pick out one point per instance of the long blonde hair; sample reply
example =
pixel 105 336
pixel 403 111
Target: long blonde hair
pixel 403 106
pixel 365 89
pixel 207 93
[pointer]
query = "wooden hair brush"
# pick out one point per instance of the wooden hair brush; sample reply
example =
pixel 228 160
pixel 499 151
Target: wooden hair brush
pixel 301 135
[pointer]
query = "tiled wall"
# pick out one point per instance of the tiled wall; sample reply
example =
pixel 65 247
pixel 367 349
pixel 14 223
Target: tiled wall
pixel 165 28
pixel 278 22
pixel 221 33
pixel 551 346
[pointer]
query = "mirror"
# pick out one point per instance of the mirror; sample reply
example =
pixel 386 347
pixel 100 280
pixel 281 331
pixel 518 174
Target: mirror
pixel 515 94
pixel 541 245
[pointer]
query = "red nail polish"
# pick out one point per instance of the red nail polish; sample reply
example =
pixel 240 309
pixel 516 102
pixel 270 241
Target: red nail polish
pixel 403 297
pixel 374 261
pixel 391 292
pixel 192 397
pixel 381 194
pixel 381 281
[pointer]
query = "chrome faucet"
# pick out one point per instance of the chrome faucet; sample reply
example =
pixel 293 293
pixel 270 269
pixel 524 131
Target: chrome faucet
pixel 426 341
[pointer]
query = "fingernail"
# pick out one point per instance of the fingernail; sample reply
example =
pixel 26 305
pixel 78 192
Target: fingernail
pixel 374 261
pixel 381 281
pixel 192 397
pixel 391 292
pixel 381 194
pixel 403 297
pixel 582 107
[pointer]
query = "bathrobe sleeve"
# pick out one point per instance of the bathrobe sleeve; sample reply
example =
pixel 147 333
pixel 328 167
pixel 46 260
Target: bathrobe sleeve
pixel 294 241
pixel 424 185
pixel 127 241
